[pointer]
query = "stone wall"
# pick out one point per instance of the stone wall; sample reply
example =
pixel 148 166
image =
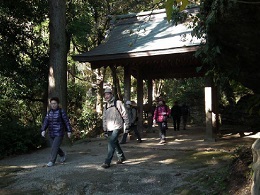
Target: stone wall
pixel 255 189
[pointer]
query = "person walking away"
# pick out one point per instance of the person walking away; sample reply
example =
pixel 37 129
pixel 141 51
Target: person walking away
pixel 114 117
pixel 56 121
pixel 132 115
pixel 185 112
pixel 160 116
pixel 176 116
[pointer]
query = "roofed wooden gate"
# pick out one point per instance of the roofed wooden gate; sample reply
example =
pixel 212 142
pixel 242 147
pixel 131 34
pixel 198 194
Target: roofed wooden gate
pixel 148 47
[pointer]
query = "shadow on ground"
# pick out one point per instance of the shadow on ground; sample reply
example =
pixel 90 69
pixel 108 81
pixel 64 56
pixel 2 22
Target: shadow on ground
pixel 186 164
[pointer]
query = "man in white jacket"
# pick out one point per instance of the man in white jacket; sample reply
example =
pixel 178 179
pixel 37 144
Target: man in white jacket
pixel 114 117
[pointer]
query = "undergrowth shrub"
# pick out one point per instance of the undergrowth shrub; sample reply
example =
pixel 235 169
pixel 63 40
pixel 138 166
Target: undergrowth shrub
pixel 18 139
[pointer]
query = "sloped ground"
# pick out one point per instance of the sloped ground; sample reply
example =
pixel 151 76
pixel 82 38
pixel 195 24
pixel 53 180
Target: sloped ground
pixel 185 165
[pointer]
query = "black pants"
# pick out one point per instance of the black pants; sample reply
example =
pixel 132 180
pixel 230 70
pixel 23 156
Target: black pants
pixel 176 123
pixel 163 128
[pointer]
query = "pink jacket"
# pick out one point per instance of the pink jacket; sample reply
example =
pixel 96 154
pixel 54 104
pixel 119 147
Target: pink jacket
pixel 161 113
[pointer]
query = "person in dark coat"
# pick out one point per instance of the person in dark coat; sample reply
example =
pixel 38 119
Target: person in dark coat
pixel 185 112
pixel 132 115
pixel 176 116
pixel 56 121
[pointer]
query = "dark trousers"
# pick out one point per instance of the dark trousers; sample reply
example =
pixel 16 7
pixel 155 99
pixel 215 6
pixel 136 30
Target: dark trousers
pixel 132 128
pixel 113 146
pixel 55 148
pixel 176 123
pixel 162 133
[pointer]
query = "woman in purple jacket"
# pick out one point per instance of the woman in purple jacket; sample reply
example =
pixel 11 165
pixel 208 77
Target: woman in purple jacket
pixel 56 121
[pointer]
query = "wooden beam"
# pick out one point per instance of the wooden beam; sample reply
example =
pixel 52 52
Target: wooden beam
pixel 210 135
pixel 140 100
pixel 127 83
pixel 150 102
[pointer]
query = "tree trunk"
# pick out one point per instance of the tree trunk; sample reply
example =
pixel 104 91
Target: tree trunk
pixel 115 88
pixel 58 52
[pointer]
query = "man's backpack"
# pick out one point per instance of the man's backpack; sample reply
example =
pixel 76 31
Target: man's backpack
pixel 136 117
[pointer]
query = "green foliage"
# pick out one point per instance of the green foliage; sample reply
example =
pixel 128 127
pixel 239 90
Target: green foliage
pixel 229 50
pixel 190 91
pixel 23 53
pixel 177 16
pixel 23 73
pixel 241 166
pixel 80 24
pixel 174 8
pixel 90 123
pixel 231 45
pixel 18 139
pixel 82 111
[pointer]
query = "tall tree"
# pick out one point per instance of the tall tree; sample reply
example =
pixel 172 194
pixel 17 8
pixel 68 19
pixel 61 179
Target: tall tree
pixel 58 51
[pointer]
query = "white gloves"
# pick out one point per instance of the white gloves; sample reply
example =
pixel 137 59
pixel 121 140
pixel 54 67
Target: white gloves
pixel 43 133
pixel 154 121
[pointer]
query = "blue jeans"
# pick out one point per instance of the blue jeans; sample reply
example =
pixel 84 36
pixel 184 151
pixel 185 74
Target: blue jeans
pixel 113 145
pixel 137 134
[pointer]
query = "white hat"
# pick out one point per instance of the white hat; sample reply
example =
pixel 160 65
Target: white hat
pixel 128 102
pixel 108 90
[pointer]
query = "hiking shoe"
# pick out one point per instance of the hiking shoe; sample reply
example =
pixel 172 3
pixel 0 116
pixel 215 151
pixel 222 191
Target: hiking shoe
pixel 162 142
pixel 63 158
pixel 105 166
pixel 50 164
pixel 120 162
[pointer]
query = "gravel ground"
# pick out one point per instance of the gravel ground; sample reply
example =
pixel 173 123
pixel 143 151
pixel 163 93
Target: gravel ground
pixel 150 168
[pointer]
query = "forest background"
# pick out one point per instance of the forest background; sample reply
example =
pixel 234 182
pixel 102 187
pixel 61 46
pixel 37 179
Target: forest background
pixel 229 55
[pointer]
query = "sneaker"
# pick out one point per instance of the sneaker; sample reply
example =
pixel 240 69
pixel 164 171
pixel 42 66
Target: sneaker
pixel 105 166
pixel 63 158
pixel 162 142
pixel 139 141
pixel 50 164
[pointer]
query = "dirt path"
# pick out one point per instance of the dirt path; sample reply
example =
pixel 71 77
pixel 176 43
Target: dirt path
pixel 178 167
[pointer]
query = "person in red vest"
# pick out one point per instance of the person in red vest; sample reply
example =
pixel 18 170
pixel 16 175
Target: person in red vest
pixel 160 116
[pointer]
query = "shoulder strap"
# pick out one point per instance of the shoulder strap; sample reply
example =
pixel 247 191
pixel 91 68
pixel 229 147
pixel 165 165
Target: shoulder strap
pixel 61 115
pixel 115 104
